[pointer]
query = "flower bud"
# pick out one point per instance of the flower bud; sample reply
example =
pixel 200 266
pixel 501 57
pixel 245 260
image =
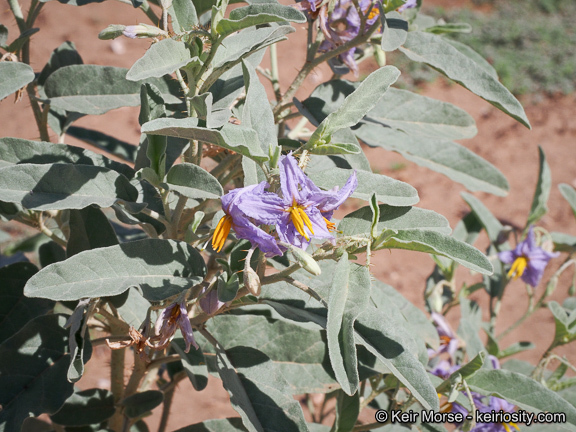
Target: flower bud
pixel 306 261
pixel 111 32
pixel 143 31
pixel 210 303
pixel 252 281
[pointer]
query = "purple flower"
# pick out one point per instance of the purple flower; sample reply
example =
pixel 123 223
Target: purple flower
pixel 210 303
pixel 528 260
pixel 237 219
pixel 494 404
pixel 173 317
pixel 449 342
pixel 304 211
pixel 408 5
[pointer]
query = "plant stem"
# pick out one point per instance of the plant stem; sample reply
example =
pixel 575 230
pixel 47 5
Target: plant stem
pixel 281 275
pixel 168 397
pixel 117 382
pixel 177 215
pixel 274 72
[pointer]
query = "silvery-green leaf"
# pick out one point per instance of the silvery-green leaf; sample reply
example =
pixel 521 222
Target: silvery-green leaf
pixel 466 371
pixel 446 157
pixel 253 173
pixel 347 411
pixel 492 225
pixel 64 55
pixel 470 325
pixel 399 109
pixel 138 404
pixel 388 191
pixel 435 51
pixel 86 407
pixel 349 161
pixel 193 181
pixel 33 368
pixel 162 58
pixel 450 28
pixel 524 392
pixel 394 31
pixel 349 296
pixel 3 35
pixel 92 89
pixel 89 229
pixel 109 144
pixel 63 186
pixel 565 322
pixel 436 243
pixel 474 56
pixel 355 106
pixel 15 309
pixel 256 112
pixel 542 192
pixel 161 268
pixel 394 218
pixel 257 14
pixel 184 16
pixel 193 363
pixel 240 139
pixel 14 76
pixel 569 194
pixel 563 242
pixel 131 306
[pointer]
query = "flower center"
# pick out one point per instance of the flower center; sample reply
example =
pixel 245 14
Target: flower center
pixel 373 13
pixel 518 267
pixel 445 340
pixel 299 218
pixel 221 233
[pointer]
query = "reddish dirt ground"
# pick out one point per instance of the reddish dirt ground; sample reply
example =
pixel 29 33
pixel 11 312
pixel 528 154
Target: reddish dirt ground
pixel 505 143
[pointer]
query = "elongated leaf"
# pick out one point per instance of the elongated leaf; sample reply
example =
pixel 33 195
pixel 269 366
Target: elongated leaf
pixel 257 14
pixel 33 368
pixel 542 192
pixel 355 106
pixel 184 16
pixel 161 268
pixel 15 309
pixel 193 182
pixel 446 157
pixel 348 298
pixel 89 229
pixel 450 28
pixel 193 363
pixel 63 186
pixel 108 143
pixel 240 139
pixel 470 325
pixel 524 392
pixel 163 58
pixel 21 151
pixel 64 55
pixel 569 194
pixel 256 113
pixel 412 113
pixel 394 218
pixel 92 89
pixel 466 371
pixel 434 242
pixel 436 52
pixel 492 225
pixel 565 324
pixel 387 190
pixel 14 76
pixel 474 56
pixel 394 31
pixel 86 407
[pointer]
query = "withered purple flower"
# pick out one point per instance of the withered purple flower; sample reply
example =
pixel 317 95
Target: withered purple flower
pixel 170 319
pixel 528 260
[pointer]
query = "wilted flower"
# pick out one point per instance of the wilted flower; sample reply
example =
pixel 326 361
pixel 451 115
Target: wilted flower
pixel 528 260
pixel 173 317
pixel 137 340
pixel 408 5
pixel 304 211
pixel 237 219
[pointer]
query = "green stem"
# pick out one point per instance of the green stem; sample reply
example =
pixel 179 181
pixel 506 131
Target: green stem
pixel 277 277
pixel 145 6
pixel 182 200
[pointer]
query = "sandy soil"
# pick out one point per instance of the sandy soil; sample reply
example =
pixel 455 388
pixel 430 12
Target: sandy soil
pixel 505 143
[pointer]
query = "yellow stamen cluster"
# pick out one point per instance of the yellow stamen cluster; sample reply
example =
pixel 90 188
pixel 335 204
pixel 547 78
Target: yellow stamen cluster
pixel 373 13
pixel 299 218
pixel 518 267
pixel 221 233
pixel 330 225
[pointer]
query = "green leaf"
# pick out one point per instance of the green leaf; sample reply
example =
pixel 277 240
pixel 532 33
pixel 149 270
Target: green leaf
pixel 394 31
pixel 403 110
pixel 3 35
pixel 450 28
pixel 542 192
pixel 14 76
pixel 492 225
pixel 347 411
pixel 393 218
pixel 92 89
pixel 193 363
pixel 446 157
pixel 515 348
pixel 355 106
pixel 162 268
pixel 193 181
pixel 64 55
pixel 565 324
pixel 258 14
pixel 348 298
pixel 228 288
pixel 256 113
pixel 19 42
pixel 151 108
pixel 89 229
pixel 20 151
pixel 104 142
pixel 569 194
pixel 63 186
pixel 33 367
pixel 436 52
pixel 86 407
pixel 162 58
pixel 470 325
pixel 474 56
pixel 15 309
pixel 184 16
pixel 466 371
pixel 436 243
pixel 388 190
pixel 240 139
pixel 524 392
pixel 563 242
pixel 131 306
pixel 139 404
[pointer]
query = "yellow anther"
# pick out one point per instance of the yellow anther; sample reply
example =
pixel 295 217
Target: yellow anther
pixel 330 225
pixel 299 218
pixel 221 233
pixel 518 267
pixel 374 13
